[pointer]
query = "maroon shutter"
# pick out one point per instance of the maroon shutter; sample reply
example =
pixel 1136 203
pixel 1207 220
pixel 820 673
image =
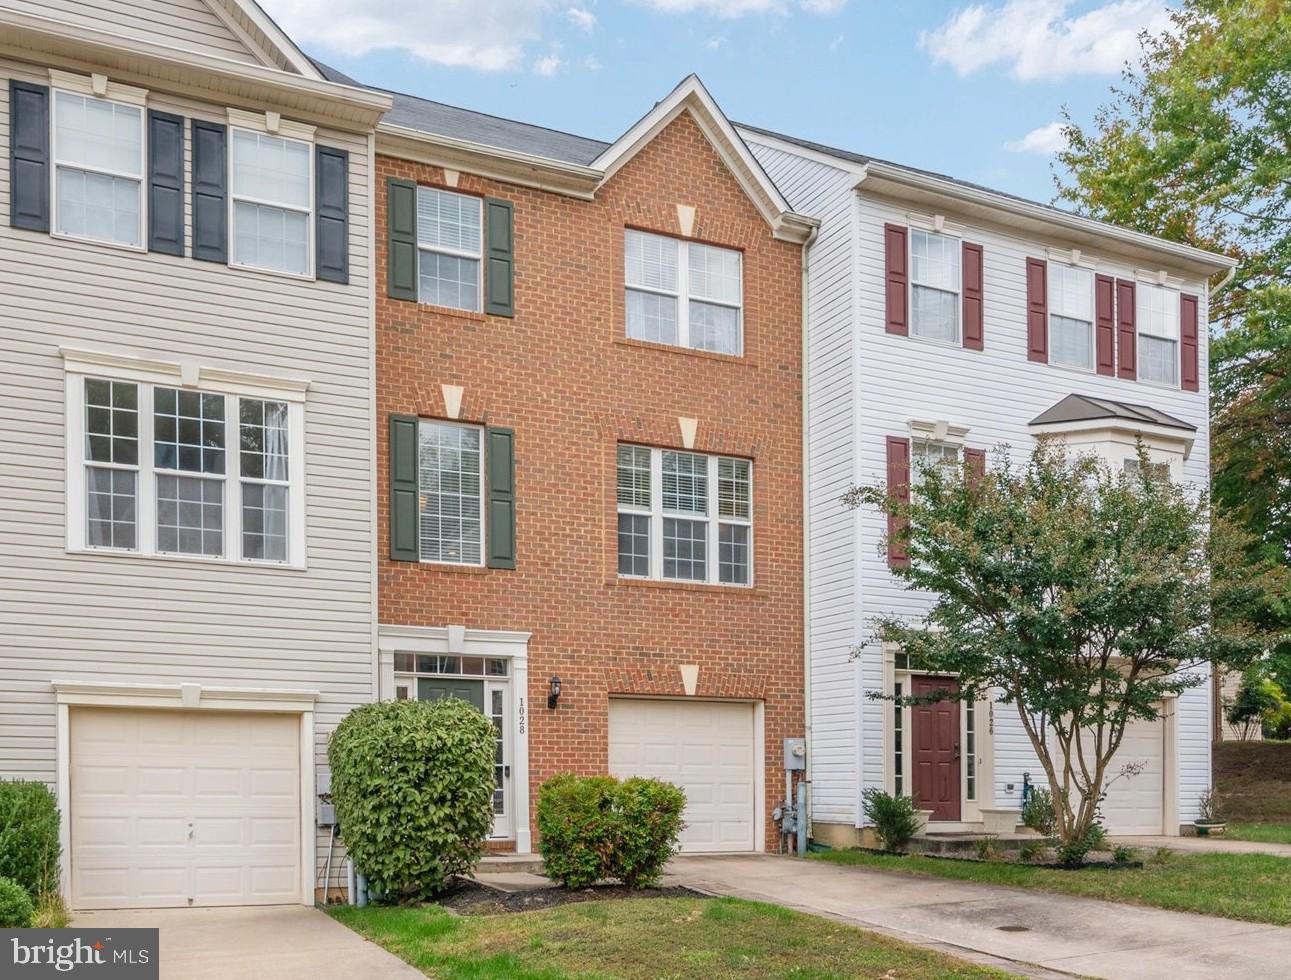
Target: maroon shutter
pixel 1037 311
pixel 1105 324
pixel 974 465
pixel 899 491
pixel 1188 342
pixel 896 276
pixel 1126 340
pixel 972 271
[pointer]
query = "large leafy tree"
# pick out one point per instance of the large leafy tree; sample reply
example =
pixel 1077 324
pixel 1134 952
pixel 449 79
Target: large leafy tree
pixel 1195 146
pixel 1078 593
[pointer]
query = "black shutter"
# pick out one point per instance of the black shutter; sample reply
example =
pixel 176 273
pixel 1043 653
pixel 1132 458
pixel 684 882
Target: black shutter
pixel 210 191
pixel 500 239
pixel 401 219
pixel 332 221
pixel 28 156
pixel 165 183
pixel 501 499
pixel 403 488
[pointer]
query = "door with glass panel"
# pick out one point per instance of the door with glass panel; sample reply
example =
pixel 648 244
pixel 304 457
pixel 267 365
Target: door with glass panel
pixel 483 682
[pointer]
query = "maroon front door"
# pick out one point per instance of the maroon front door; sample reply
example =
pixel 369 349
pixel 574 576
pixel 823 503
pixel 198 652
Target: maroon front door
pixel 936 749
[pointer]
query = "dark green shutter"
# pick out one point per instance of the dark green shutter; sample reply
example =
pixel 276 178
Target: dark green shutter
pixel 28 156
pixel 165 183
pixel 500 275
pixel 403 488
pixel 501 502
pixel 401 267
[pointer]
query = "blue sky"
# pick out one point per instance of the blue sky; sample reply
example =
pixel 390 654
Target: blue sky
pixel 972 90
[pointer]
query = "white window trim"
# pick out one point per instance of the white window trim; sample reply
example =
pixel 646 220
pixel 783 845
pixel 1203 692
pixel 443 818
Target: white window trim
pixel 98 87
pixel 941 230
pixel 79 365
pixel 683 295
pixel 480 433
pixel 459 253
pixel 1139 332
pixel 290 132
pixel 657 513
pixel 1075 263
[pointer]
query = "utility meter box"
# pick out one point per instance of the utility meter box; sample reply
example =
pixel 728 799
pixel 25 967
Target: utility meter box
pixel 795 754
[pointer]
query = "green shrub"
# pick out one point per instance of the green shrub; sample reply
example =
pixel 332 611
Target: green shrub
pixel 1033 851
pixel 29 845
pixel 895 818
pixel 1123 854
pixel 596 827
pixel 15 905
pixel 412 782
pixel 1038 812
pixel 1074 852
pixel 987 848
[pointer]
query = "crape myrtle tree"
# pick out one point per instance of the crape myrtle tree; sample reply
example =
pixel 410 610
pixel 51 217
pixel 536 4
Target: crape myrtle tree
pixel 1072 590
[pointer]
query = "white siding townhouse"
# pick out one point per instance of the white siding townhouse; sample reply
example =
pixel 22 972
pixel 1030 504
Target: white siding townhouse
pixel 951 320
pixel 186 461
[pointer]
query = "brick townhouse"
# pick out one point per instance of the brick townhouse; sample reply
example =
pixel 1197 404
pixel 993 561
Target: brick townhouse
pixel 590 444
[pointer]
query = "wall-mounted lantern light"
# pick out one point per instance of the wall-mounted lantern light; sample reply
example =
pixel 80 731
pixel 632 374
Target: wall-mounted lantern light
pixel 553 692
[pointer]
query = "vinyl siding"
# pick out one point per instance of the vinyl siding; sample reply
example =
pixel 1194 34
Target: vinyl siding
pixel 189 24
pixel 156 620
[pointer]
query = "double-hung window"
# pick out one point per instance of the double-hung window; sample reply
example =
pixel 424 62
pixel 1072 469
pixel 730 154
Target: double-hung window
pixel 685 294
pixel 684 516
pixel 935 286
pixel 449 248
pixel 98 169
pixel 1157 316
pixel 272 194
pixel 1071 316
pixel 450 481
pixel 162 470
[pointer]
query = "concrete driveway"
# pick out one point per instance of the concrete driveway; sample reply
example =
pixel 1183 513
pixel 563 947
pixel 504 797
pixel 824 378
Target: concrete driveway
pixel 288 942
pixel 1027 932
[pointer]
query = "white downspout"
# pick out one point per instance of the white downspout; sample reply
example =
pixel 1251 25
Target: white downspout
pixel 806 522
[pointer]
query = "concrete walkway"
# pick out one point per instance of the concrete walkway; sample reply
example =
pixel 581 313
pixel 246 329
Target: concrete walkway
pixel 1203 845
pixel 285 942
pixel 1027 932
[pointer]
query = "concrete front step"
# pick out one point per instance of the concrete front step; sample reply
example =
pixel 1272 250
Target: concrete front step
pixel 509 864
pixel 967 843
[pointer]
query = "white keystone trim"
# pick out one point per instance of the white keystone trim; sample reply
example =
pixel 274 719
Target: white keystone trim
pixel 98 86
pixel 271 123
pixel 127 367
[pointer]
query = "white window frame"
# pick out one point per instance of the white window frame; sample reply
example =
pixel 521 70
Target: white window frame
pixel 147 376
pixel 683 295
pixel 958 291
pixel 657 513
pixel 453 252
pixel 1141 291
pixel 235 199
pixel 123 95
pixel 480 433
pixel 1050 313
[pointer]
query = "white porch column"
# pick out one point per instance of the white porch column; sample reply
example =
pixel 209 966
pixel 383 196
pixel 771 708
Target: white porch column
pixel 520 762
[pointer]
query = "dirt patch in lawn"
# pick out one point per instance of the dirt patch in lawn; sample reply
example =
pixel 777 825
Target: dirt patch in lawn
pixel 473 898
pixel 1254 781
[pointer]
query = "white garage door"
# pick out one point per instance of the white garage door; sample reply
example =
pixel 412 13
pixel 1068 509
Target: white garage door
pixel 1135 804
pixel 706 748
pixel 173 808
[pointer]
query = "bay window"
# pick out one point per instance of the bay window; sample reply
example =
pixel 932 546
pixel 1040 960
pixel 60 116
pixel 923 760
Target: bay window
pixel 1071 316
pixel 684 294
pixel 934 286
pixel 98 169
pixel 1157 316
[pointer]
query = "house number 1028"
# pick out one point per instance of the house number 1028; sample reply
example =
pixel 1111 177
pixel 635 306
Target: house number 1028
pixel 521 702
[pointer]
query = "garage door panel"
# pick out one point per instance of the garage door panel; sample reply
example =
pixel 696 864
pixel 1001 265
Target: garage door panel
pixel 707 749
pixel 1134 804
pixel 177 809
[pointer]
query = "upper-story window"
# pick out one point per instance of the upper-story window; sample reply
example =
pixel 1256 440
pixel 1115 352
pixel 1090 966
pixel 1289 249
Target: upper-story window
pixel 450 477
pixel 685 516
pixel 272 191
pixel 1157 316
pixel 1155 470
pixel 934 286
pixel 160 470
pixel 98 169
pixel 1071 316
pixel 683 293
pixel 449 243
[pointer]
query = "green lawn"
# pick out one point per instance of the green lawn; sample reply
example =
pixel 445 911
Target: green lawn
pixel 1254 887
pixel 644 939
pixel 1264 833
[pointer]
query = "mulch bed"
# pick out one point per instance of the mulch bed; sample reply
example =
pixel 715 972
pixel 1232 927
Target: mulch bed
pixel 1094 865
pixel 472 898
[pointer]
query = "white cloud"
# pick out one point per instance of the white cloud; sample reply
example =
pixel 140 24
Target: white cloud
pixel 582 18
pixel 1036 39
pixel 1044 140
pixel 741 8
pixel 487 34
pixel 548 65
pixel 713 43
pixel 823 6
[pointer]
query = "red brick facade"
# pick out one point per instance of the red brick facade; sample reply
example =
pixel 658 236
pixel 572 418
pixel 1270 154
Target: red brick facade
pixel 562 374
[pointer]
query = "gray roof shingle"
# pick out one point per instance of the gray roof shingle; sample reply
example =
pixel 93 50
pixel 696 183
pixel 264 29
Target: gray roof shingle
pixel 1082 408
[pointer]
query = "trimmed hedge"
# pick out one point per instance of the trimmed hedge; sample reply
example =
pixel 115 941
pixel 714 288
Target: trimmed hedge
pixel 412 782
pixel 16 910
pixel 596 827
pixel 29 846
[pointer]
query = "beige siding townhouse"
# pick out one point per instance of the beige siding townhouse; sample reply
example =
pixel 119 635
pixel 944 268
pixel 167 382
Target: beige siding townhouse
pixel 186 509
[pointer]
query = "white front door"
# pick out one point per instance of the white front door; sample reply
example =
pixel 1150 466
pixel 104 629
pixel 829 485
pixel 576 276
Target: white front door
pixel 183 808
pixel 705 747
